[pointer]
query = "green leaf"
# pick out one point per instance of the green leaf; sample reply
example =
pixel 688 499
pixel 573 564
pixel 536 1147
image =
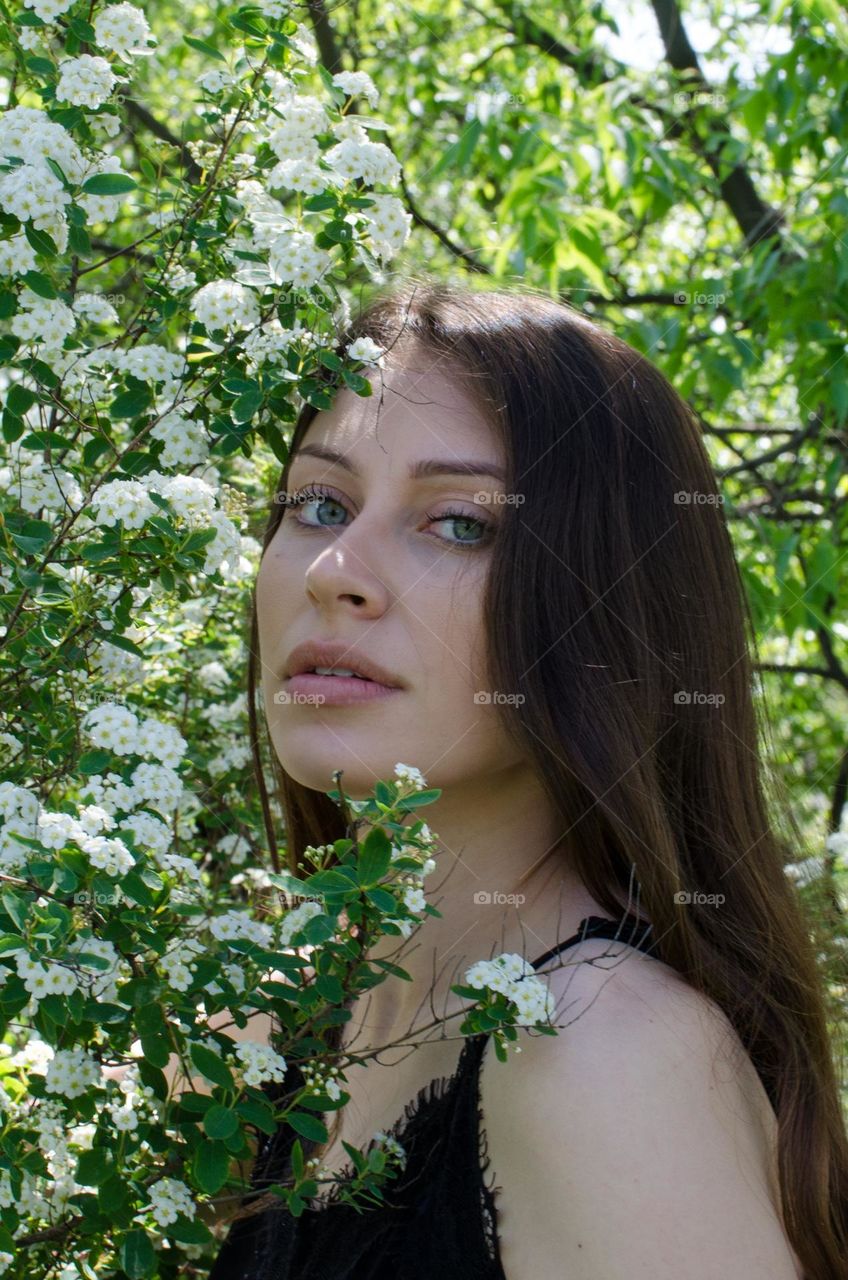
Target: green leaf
pixel 257 1114
pixel 94 761
pixel 211 1065
pixel 211 1166
pixel 41 241
pixel 109 184
pixel 20 399
pixel 79 242
pixel 458 155
pixel 16 906
pixel 220 1122
pixel 156 1050
pixel 128 404
pixel 375 858
pixel 382 899
pixel 186 1232
pixel 423 797
pixel 40 284
pixel 203 47
pixel 40 66
pixel 137 1254
pixel 307 1126
pixel 84 30
pixel 246 406
pixel 94 1167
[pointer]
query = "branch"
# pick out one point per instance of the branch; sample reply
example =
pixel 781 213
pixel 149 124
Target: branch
pixel 757 220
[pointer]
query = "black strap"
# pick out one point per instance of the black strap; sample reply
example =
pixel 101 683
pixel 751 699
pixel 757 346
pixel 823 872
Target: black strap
pixel 634 932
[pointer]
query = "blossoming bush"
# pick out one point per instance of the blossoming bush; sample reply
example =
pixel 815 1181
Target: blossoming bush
pixel 164 313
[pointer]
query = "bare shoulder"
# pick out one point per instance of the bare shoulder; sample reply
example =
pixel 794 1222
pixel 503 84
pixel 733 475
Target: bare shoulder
pixel 637 1141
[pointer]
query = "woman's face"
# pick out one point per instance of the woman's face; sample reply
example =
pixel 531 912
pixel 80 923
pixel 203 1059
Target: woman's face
pixel 377 563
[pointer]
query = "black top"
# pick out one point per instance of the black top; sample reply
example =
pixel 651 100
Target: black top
pixel 439 1218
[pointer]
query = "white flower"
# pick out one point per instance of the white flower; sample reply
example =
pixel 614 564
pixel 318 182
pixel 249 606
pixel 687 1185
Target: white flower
pixel 49 10
pixel 16 254
pixel 41 484
pixel 112 727
pixel 55 830
pixel 162 741
pixel 298 174
pixel 161 788
pixel 294 258
pixel 71 1072
pixel 367 350
pixel 191 498
pixel 108 854
pixel 240 924
pixel 124 502
pixel 371 161
pixel 33 193
pixel 95 309
pixel 294 920
pixel 44 320
pixel 513 976
pixel 151 363
pixel 407 773
pixel 123 29
pixel 168 1198
pixel 224 304
pixel 414 900
pixel 214 80
pixel 259 1062
pixel 806 871
pixel 357 82
pixel 837 843
pixel 388 225
pixel 275 8
pixel 85 81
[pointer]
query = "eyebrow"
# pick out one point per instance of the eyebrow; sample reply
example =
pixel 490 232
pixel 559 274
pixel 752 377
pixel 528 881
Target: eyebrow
pixel 420 470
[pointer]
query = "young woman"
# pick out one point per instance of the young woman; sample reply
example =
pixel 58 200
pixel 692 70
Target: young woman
pixel 518 541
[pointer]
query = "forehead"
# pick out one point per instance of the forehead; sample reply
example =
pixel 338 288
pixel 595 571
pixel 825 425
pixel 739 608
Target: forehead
pixel 418 407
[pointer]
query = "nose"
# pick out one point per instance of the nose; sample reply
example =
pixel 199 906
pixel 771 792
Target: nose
pixel 341 577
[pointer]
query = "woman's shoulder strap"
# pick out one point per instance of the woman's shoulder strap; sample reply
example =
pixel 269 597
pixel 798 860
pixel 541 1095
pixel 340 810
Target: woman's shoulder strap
pixel 629 929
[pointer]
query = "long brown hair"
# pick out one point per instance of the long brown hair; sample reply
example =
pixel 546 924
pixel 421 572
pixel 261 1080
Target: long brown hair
pixel 615 606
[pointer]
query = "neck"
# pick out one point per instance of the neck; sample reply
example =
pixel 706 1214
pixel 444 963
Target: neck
pixel 502 882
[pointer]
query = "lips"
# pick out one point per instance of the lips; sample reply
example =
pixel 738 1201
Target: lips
pixel 326 653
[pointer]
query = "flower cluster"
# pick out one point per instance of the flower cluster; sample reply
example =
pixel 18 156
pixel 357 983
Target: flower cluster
pixel 512 976
pixel 168 1199
pixel 258 1062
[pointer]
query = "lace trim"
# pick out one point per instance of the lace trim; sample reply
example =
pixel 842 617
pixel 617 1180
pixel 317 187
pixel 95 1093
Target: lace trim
pixel 414 1116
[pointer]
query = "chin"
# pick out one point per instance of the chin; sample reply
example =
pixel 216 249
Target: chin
pixel 315 769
